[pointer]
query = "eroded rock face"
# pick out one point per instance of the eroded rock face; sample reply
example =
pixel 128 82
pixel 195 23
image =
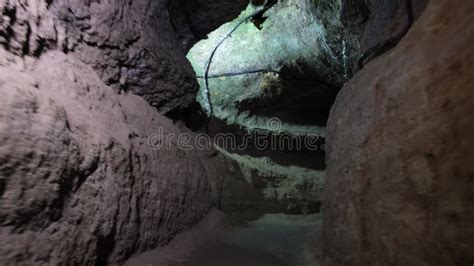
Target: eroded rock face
pixel 79 182
pixel 295 52
pixel 132 45
pixel 194 19
pixel 400 174
pixel 246 187
pixel 287 66
pixel 379 25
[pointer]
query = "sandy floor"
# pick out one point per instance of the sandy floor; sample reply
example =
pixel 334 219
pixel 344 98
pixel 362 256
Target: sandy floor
pixel 272 240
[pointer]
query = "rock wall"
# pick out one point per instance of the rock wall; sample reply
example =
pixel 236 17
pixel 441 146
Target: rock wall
pixel 296 51
pixel 79 184
pixel 400 174
pixel 246 187
pixel 193 19
pixel 79 181
pixel 379 24
pixel 132 45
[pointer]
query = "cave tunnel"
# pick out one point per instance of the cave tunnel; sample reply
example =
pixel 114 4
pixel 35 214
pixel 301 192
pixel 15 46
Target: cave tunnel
pixel 237 132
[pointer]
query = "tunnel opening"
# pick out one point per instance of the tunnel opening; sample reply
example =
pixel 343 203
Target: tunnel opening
pixel 273 75
pixel 270 88
pixel 267 81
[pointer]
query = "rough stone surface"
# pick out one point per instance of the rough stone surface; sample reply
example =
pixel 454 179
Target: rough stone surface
pixel 379 24
pixel 132 45
pixel 232 193
pixel 79 183
pixel 295 52
pixel 194 19
pixel 279 188
pixel 399 186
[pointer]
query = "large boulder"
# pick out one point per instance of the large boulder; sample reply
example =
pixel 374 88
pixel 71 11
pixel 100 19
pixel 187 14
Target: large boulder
pixel 399 185
pixel 80 182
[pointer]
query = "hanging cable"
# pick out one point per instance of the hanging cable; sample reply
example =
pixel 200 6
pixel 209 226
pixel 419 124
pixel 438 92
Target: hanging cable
pixel 207 67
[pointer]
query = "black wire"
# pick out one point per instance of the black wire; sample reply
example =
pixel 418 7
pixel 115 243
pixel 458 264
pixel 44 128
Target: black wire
pixel 287 74
pixel 233 74
pixel 267 6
